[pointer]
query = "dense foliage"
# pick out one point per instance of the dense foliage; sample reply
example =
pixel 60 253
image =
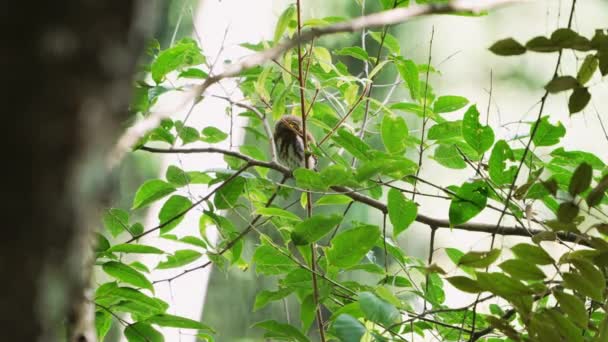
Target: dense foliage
pixel 369 158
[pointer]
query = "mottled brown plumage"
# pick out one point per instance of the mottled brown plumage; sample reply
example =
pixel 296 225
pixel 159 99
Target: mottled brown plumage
pixel 289 142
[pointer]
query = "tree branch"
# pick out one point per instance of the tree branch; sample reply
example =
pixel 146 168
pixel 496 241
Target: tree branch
pixel 427 220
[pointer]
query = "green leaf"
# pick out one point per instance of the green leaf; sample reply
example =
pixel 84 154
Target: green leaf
pixel 573 307
pixel 547 134
pixel 172 212
pixel 166 320
pixel 446 104
pixel 126 274
pixel 264 297
pixel 184 53
pixel 281 330
pixel 348 329
pixel 269 261
pixel 333 200
pixel 151 191
pixel 479 137
pixel 568 39
pixel 308 179
pixel 597 194
pixel 389 41
pixel 178 259
pixel 134 248
pixel 561 83
pixel 188 134
pixel 314 228
pixel 578 100
pixel 353 51
pixel 394 133
pixel 116 221
pixel 349 247
pixel 532 254
pixel 522 270
pixel 193 73
pixel 541 44
pixel 581 179
pixel 587 69
pixel 567 212
pixel 479 259
pixel 142 332
pixel 578 283
pixel 212 135
pixel 283 22
pixel 448 156
pixel 507 47
pixel 409 72
pixel 352 144
pixel 227 196
pixel 278 212
pixel 177 176
pixel 323 57
pixel 378 310
pixel 470 200
pixel 401 211
pixel 445 130
pixel 499 173
pixel 103 323
pixel 502 285
pixel 465 284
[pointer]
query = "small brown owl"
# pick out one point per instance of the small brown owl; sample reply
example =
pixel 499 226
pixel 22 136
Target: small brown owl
pixel 289 142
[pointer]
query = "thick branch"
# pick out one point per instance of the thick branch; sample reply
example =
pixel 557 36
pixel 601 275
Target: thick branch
pixel 427 220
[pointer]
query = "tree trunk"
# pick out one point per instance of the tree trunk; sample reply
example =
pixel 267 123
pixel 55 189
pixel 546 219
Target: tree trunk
pixel 67 68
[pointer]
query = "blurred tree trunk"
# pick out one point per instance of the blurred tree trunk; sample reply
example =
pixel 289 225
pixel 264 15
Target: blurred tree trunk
pixel 67 67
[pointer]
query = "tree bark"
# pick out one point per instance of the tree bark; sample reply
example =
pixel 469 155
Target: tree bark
pixel 67 67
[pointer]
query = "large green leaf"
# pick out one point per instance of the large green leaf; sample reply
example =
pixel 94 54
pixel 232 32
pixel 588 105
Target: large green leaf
pixel 227 196
pixel 166 320
pixel 116 221
pixel 278 212
pixel 349 247
pixel 152 190
pixel 126 274
pixel 269 261
pixel 401 211
pixel 581 179
pixel 547 134
pixel 281 330
pixel 465 284
pixel 348 329
pixel 135 248
pixel 394 133
pixel 470 200
pixel 573 307
pixel 446 104
pixel 179 258
pixel 479 259
pixel 479 137
pixel 184 53
pixel 445 130
pixel 499 173
pixel 314 228
pixel 142 332
pixel 378 310
pixel 172 212
pixel 352 144
pixel 507 47
pixel 448 156
pixel 283 22
pixel 522 270
pixel 532 254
